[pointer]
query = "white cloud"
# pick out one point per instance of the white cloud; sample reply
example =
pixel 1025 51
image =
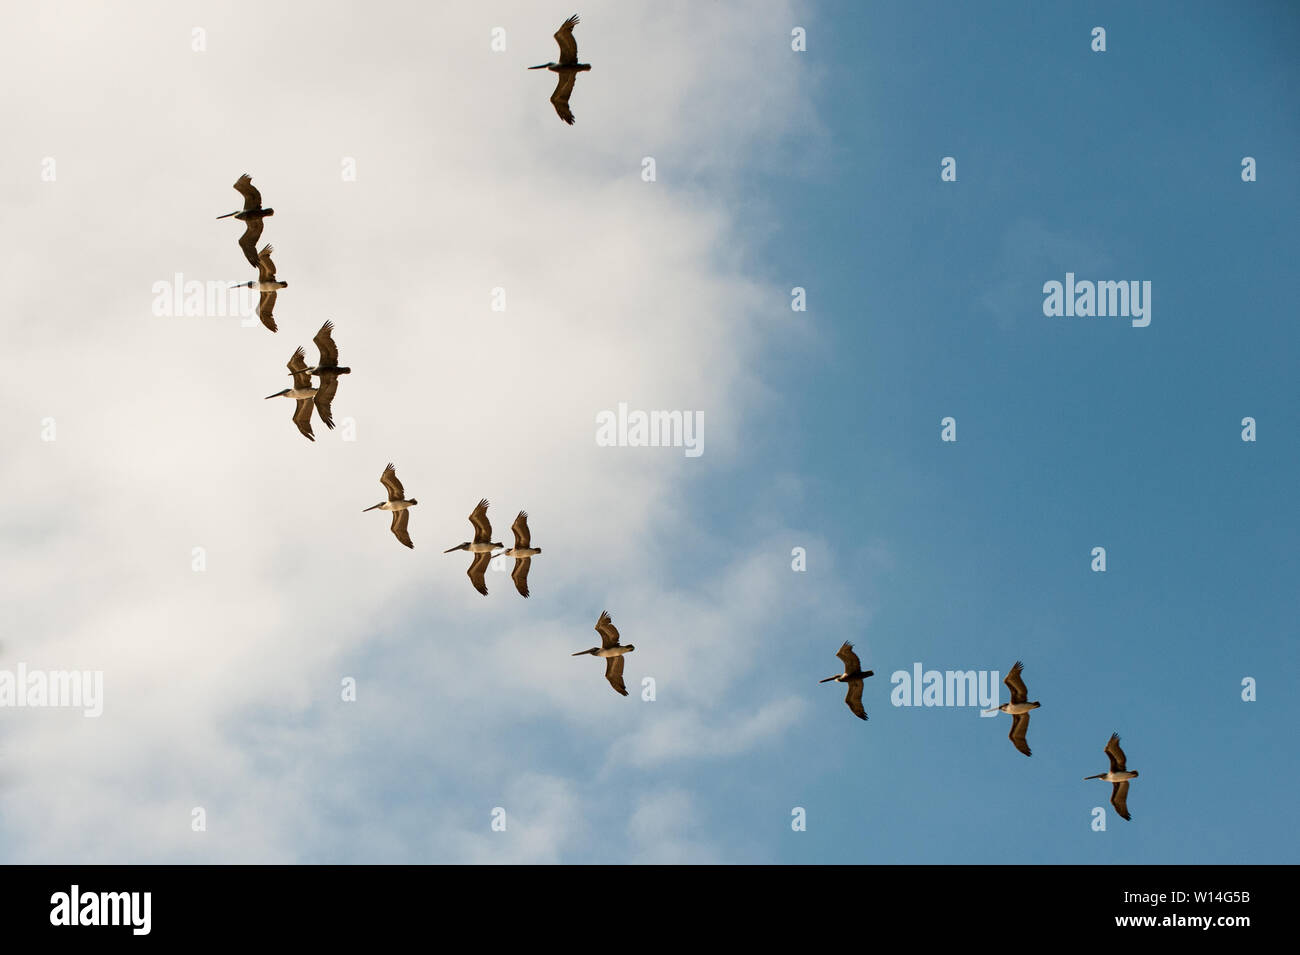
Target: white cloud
pixel 222 687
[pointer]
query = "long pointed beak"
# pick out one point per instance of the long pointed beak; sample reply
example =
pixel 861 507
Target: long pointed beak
pixel 540 66
pixel 276 395
pixel 996 709
pixel 827 680
pixel 450 549
pixel 239 285
pixel 228 215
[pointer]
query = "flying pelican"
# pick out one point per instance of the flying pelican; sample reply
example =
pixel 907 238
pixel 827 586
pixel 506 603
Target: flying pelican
pixel 1019 708
pixel 481 547
pixel 396 503
pixel 329 372
pixel 853 675
pixel 568 69
pixel 251 215
pixel 302 392
pixel 611 650
pixel 522 552
pixel 267 285
pixel 1119 775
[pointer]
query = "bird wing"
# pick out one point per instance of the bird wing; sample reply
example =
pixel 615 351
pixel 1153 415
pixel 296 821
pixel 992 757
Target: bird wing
pixel 568 45
pixel 329 352
pixel 851 662
pixel 1119 799
pixel 1019 727
pixel 614 674
pixel 298 365
pixel 265 267
pixel 248 241
pixel 252 198
pixel 520 575
pixel 389 480
pixel 608 632
pixel 400 520
pixel 482 527
pixel 477 568
pixel 302 417
pixel 520 527
pixel 1016 685
pixel 329 385
pixel 265 307
pixel 1115 753
pixel 854 699
pixel 560 98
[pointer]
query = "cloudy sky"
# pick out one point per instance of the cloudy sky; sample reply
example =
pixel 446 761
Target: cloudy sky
pixel 415 170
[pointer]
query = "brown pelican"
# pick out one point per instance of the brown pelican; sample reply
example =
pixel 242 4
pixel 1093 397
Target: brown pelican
pixel 853 675
pixel 522 552
pixel 1119 775
pixel 266 284
pixel 611 650
pixel 481 547
pixel 568 68
pixel 396 503
pixel 251 215
pixel 302 392
pixel 328 369
pixel 1019 708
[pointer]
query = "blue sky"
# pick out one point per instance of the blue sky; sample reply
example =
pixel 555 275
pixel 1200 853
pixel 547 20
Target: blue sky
pixel 1072 432
pixel 776 169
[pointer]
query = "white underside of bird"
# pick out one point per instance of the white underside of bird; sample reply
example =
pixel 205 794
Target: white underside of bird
pixel 1015 709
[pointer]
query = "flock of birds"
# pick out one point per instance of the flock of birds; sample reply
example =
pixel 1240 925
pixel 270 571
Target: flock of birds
pixel 1018 708
pixel 482 547
pixel 319 399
